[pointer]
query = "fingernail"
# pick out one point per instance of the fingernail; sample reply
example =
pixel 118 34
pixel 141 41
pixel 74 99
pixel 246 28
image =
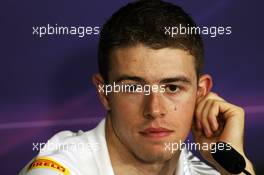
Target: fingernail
pixel 199 125
pixel 208 133
pixel 215 126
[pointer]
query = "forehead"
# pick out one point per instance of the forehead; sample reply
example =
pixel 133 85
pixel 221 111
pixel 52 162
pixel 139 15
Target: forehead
pixel 151 64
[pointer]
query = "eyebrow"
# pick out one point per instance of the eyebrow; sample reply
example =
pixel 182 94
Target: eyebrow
pixel 127 77
pixel 181 78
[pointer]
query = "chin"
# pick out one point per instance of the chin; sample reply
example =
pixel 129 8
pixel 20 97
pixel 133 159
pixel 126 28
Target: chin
pixel 150 157
pixel 153 154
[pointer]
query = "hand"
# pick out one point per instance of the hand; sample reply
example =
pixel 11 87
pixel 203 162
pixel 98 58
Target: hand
pixel 217 120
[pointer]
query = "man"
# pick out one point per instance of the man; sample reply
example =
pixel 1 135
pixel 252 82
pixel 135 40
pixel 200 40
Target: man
pixel 143 125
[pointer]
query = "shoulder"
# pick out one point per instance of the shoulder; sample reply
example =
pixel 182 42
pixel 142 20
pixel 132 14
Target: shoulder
pixel 68 153
pixel 196 166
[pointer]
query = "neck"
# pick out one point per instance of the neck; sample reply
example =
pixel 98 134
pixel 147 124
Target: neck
pixel 125 162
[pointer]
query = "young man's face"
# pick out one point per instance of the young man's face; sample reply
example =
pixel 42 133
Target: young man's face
pixel 144 123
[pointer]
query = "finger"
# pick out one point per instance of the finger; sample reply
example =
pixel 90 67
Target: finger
pixel 210 111
pixel 204 120
pixel 197 133
pixel 197 122
pixel 200 102
pixel 233 117
pixel 199 110
pixel 213 114
pixel 217 97
pixel 210 95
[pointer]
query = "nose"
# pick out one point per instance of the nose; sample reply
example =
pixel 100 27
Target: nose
pixel 154 106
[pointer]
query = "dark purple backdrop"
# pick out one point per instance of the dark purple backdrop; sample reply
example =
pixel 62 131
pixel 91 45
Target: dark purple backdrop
pixel 45 82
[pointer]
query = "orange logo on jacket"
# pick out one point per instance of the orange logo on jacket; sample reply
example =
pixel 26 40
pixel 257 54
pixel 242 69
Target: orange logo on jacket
pixel 48 163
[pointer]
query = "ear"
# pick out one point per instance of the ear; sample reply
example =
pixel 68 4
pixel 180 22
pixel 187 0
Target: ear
pixel 98 82
pixel 205 84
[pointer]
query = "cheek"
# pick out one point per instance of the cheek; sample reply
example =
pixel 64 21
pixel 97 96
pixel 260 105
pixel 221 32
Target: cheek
pixel 124 111
pixel 183 115
pixel 124 105
pixel 125 115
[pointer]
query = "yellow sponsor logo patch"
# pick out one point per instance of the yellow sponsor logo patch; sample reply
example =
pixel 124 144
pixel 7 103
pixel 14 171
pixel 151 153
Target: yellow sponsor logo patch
pixel 43 162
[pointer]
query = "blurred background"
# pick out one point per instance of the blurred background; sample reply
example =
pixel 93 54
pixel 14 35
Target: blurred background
pixel 45 83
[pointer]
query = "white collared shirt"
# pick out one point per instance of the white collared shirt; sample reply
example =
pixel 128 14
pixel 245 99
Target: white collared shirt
pixel 86 153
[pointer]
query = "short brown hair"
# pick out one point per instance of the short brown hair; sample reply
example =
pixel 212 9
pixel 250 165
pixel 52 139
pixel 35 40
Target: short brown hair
pixel 144 22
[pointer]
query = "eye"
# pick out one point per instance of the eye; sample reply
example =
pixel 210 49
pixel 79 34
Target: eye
pixel 172 88
pixel 131 87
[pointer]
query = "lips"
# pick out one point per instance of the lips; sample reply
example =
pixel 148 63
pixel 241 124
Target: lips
pixel 156 132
